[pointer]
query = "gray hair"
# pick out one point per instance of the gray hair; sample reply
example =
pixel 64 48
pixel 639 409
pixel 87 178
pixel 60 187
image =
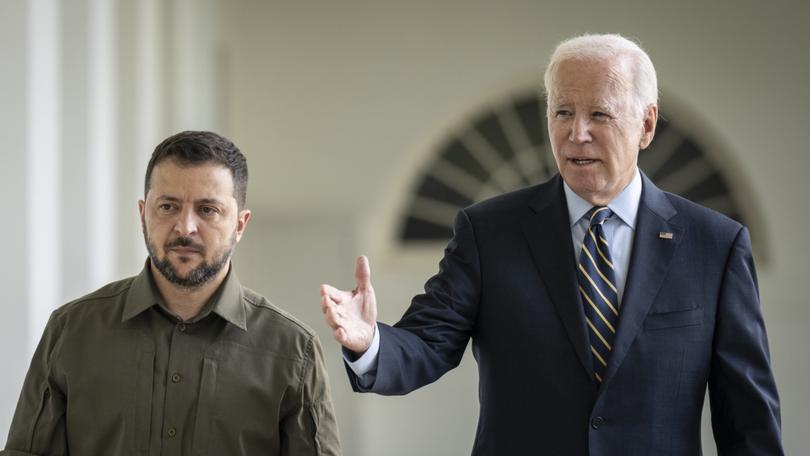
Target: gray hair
pixel 598 47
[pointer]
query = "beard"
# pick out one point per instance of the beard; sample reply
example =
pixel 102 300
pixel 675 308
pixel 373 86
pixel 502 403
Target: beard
pixel 198 276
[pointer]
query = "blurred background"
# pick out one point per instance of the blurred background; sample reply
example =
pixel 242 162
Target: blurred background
pixel 366 125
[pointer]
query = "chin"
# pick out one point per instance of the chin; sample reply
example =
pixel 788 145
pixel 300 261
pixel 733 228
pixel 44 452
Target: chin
pixel 184 268
pixel 583 184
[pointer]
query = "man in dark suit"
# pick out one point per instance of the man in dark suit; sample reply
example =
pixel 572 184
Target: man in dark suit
pixel 600 307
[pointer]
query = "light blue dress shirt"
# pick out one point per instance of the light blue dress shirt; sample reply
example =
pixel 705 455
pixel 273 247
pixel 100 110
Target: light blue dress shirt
pixel 619 231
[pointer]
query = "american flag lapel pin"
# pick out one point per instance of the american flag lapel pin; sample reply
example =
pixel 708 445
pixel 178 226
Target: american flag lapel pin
pixel 665 235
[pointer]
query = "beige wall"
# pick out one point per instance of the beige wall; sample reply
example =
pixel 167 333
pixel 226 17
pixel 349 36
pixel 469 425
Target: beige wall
pixel 337 106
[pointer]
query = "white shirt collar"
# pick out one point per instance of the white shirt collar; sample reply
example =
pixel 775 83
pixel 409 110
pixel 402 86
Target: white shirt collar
pixel 624 205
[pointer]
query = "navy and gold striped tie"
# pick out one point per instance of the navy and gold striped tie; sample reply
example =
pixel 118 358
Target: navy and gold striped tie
pixel 597 285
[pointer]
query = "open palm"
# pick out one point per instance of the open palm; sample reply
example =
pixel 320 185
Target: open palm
pixel 352 315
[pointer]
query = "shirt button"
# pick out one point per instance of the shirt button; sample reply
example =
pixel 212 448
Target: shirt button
pixel 181 327
pixel 172 432
pixel 176 378
pixel 596 422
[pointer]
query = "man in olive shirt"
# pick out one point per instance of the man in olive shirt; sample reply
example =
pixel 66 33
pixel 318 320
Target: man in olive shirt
pixel 180 359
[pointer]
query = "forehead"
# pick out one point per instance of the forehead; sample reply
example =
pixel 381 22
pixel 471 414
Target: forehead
pixel 191 181
pixel 591 80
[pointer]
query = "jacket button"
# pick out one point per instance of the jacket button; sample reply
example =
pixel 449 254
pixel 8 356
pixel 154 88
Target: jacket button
pixel 596 422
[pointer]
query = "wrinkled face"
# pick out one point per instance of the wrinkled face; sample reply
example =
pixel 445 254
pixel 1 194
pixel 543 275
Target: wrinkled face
pixel 595 132
pixel 191 222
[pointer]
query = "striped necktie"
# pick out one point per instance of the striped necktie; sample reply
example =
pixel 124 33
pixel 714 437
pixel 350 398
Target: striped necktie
pixel 597 285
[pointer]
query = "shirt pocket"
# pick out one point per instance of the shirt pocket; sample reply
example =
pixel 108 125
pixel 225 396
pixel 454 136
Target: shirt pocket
pixel 674 319
pixel 244 393
pixel 205 406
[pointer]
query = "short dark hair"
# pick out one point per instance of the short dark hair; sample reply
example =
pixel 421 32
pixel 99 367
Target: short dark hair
pixel 198 147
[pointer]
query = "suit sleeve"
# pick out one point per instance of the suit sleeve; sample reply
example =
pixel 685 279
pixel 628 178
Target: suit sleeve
pixel 38 426
pixel 431 337
pixel 742 390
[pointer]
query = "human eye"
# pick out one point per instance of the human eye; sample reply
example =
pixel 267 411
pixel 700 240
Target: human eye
pixel 601 115
pixel 208 210
pixel 166 208
pixel 562 113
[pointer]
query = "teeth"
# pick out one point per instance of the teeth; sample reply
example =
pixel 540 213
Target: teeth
pixel 583 162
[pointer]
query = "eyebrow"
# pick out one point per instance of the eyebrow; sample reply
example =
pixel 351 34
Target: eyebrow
pixel 175 199
pixel 213 201
pixel 601 105
pixel 607 107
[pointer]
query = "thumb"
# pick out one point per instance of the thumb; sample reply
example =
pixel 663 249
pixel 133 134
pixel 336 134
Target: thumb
pixel 362 273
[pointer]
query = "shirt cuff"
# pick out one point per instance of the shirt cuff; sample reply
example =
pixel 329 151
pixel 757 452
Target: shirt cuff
pixel 367 362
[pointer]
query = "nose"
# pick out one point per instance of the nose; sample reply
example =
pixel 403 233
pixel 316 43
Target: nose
pixel 580 130
pixel 186 223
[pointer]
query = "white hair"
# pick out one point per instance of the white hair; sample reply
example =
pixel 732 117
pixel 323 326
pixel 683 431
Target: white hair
pixel 609 46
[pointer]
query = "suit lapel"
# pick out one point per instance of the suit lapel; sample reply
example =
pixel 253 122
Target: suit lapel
pixel 649 262
pixel 547 231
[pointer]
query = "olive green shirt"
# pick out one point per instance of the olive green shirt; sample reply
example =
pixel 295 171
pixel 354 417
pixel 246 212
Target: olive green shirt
pixel 116 373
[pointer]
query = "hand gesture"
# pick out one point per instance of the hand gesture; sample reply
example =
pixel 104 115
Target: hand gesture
pixel 352 315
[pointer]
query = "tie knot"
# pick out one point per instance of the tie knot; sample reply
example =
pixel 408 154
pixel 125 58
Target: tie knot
pixel 598 214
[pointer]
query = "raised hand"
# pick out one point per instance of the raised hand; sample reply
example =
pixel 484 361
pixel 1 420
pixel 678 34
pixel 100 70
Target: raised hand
pixel 352 315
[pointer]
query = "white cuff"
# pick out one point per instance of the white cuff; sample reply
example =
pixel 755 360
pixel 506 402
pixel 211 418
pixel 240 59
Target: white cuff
pixel 367 362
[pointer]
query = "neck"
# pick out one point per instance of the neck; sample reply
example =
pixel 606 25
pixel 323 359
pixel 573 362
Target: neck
pixel 187 303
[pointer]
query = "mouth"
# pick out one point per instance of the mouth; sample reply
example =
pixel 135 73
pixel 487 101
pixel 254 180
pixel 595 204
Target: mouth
pixel 184 250
pixel 185 247
pixel 582 161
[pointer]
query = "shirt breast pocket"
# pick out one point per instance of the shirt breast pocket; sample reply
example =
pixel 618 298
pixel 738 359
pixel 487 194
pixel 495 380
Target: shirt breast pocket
pixel 205 406
pixel 674 319
pixel 241 401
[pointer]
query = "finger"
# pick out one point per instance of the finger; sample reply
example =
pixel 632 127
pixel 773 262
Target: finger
pixel 325 302
pixel 331 314
pixel 362 273
pixel 340 335
pixel 336 295
pixel 333 318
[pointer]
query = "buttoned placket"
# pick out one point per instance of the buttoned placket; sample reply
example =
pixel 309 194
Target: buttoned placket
pixel 174 425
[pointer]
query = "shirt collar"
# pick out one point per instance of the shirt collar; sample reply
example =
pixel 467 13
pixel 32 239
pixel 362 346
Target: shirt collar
pixel 230 304
pixel 226 301
pixel 141 295
pixel 624 205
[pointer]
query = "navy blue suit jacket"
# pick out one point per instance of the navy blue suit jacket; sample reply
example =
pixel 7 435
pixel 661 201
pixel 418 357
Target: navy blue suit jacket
pixel 690 317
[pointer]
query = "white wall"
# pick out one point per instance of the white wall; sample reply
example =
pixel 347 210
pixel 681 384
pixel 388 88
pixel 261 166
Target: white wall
pixel 70 176
pixel 337 106
pixel 56 121
pixel 14 310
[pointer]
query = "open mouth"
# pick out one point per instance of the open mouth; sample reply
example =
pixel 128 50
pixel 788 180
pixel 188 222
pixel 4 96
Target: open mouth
pixel 583 161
